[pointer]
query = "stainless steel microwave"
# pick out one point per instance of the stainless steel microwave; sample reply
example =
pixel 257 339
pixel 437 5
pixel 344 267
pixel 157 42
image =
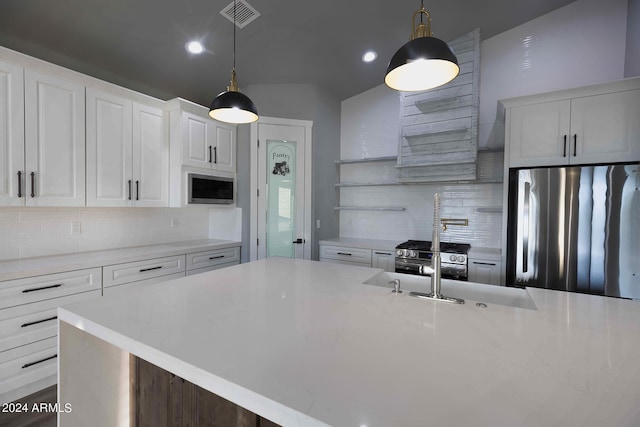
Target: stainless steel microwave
pixel 210 189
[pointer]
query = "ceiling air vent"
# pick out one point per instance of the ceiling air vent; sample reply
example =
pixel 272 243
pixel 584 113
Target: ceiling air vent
pixel 245 13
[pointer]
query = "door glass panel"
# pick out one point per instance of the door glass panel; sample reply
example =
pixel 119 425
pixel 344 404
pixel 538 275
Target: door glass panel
pixel 281 177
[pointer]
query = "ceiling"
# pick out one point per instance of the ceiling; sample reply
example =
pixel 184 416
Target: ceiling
pixel 140 44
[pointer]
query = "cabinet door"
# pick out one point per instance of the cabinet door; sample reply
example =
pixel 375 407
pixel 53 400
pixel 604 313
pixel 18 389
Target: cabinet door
pixel 538 134
pixel 483 271
pixel 606 128
pixel 54 141
pixel 384 259
pixel 198 140
pixel 150 156
pixel 11 135
pixel 109 163
pixel 224 155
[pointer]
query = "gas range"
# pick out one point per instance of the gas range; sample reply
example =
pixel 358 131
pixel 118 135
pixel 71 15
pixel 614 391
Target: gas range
pixel 412 254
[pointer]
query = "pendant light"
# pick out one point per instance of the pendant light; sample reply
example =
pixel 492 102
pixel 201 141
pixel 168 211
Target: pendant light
pixel 424 62
pixel 232 106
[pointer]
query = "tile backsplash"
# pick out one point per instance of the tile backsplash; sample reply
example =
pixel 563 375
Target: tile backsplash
pixel 30 232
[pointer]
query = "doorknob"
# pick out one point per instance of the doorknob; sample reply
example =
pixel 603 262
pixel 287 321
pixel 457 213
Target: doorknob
pixel 298 241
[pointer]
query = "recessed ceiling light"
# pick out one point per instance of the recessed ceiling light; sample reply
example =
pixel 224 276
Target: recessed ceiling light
pixel 195 47
pixel 369 56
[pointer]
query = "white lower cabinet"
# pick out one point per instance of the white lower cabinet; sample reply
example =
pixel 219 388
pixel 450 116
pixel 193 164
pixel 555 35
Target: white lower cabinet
pixel 385 260
pixel 345 255
pixel 29 327
pixel 201 262
pixel 126 288
pixel 29 310
pixel 143 271
pixel 485 271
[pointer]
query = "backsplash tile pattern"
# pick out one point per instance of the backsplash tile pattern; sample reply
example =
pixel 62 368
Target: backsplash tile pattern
pixel 30 232
pixel 479 203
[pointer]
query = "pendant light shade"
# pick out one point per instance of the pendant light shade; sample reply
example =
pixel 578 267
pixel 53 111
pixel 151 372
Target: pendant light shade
pixel 423 63
pixel 231 106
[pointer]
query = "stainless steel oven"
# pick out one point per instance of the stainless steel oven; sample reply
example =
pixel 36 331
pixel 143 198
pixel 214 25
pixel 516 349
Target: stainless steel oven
pixel 412 254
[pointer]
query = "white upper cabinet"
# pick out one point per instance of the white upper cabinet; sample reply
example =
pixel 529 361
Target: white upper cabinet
pixel 198 145
pixel 538 134
pixel 606 128
pixel 127 152
pixel 150 155
pixel 206 143
pixel 12 191
pixel 590 125
pixel 224 152
pixel 54 141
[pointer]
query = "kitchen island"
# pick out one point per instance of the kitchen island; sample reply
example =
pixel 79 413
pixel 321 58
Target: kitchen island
pixel 304 343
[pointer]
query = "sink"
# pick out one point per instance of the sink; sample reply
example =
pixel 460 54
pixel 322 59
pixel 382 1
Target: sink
pixel 469 291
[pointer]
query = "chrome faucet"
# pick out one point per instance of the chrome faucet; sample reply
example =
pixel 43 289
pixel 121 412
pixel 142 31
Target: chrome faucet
pixel 434 270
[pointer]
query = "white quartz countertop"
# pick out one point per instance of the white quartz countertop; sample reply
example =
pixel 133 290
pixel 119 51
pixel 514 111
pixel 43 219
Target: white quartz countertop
pixel 29 267
pixel 305 343
pixel 353 242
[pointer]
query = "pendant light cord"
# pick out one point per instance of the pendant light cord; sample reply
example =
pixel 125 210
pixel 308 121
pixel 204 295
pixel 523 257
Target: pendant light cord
pixel 234 35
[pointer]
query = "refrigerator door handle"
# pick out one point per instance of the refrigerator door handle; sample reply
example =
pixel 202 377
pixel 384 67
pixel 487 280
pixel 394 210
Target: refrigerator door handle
pixel 525 227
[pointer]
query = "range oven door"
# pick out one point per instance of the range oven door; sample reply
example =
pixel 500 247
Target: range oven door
pixel 407 267
pixel 447 271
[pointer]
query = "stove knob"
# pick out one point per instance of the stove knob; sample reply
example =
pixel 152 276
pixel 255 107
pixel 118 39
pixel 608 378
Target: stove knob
pixel 461 258
pixel 413 254
pixel 452 258
pixel 399 252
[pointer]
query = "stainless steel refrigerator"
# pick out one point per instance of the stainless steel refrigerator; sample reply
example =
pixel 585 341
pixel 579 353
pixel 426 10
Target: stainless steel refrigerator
pixel 575 229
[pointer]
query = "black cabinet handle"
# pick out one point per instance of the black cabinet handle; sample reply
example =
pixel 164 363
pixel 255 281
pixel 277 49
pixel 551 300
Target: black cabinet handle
pixel 57 285
pixel 149 269
pixel 129 198
pixel 26 365
pixel 344 253
pixel 215 154
pixel 19 183
pixel 210 154
pixel 482 263
pixel 575 143
pixel 24 325
pixel 382 253
pixel 564 152
pixel 217 257
pixel 137 190
pixel 33 184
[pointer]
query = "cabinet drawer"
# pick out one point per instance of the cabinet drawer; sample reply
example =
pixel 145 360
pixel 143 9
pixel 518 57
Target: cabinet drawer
pixel 212 258
pixel 355 255
pixel 211 268
pixel 119 274
pixel 28 323
pixel 128 288
pixel 33 289
pixel 28 364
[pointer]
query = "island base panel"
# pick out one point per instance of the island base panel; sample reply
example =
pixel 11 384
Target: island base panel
pixel 93 378
pixel 162 399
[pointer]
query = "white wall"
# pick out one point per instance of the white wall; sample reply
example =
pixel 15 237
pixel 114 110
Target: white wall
pixel 29 232
pixel 580 44
pixel 577 45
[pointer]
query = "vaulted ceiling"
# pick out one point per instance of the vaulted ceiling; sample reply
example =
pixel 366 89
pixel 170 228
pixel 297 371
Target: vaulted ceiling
pixel 140 44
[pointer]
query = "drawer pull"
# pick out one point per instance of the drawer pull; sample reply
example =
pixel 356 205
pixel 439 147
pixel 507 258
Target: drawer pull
pixel 57 285
pixel 217 257
pixel 383 253
pixel 26 365
pixel 149 269
pixel 483 263
pixel 24 325
pixel 344 253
